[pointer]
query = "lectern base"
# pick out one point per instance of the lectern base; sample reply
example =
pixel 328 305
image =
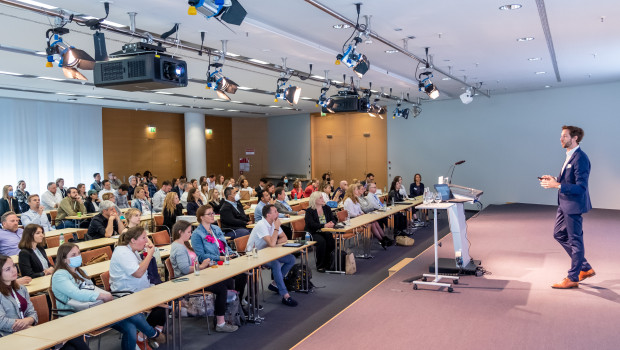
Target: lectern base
pixel 448 267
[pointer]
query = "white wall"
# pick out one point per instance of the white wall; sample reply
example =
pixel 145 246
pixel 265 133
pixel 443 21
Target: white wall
pixel 42 141
pixel 509 140
pixel 289 144
pixel 195 145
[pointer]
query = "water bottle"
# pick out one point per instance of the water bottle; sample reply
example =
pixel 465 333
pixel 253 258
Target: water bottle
pixel 254 252
pixel 226 259
pixel 61 239
pixel 308 237
pixel 196 268
pixel 295 195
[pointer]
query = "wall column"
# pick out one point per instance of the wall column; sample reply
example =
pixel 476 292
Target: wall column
pixel 195 145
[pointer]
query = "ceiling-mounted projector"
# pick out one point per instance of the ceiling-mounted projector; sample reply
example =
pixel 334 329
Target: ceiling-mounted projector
pixel 467 96
pixel 140 67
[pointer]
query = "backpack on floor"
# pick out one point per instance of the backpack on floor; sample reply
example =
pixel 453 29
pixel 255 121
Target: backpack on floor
pixel 294 278
pixel 234 313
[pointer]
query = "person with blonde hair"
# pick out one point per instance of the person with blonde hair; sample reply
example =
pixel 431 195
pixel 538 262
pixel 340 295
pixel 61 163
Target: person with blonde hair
pixel 8 201
pixel 353 205
pixel 317 217
pixel 172 208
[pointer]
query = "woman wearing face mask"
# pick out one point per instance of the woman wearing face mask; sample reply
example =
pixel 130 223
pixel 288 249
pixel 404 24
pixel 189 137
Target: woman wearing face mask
pixel 8 201
pixel 70 283
pixel 33 261
pixel 283 183
pixel 128 269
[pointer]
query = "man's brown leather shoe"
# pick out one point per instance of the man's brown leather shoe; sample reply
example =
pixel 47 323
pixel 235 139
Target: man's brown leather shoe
pixel 565 284
pixel 586 274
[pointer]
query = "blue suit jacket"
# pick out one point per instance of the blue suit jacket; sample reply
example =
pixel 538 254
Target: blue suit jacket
pixel 573 197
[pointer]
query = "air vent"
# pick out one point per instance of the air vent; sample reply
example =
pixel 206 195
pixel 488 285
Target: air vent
pixel 136 69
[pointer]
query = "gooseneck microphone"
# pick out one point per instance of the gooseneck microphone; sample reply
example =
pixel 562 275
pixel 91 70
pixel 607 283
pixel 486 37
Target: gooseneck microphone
pixel 451 169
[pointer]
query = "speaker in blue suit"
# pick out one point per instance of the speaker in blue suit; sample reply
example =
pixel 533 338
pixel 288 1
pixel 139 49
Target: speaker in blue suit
pixel 573 200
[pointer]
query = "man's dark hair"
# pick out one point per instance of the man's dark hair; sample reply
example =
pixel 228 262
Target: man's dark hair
pixel 369 175
pixel 95 175
pixel 278 191
pixel 105 181
pixel 227 192
pixel 166 183
pixel 325 175
pixel 123 187
pixel 574 131
pixel 71 188
pixel 268 185
pixel 266 209
pixel 263 180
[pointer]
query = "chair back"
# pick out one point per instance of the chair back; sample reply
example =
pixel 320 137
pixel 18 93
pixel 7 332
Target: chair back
pixel 241 243
pixel 304 205
pixel 53 217
pixel 105 279
pixel 299 227
pixel 54 241
pixel 40 306
pixel 296 207
pixel 81 234
pixel 342 215
pixel 161 238
pixel 54 315
pixel 159 220
pixel 168 264
pixel 89 254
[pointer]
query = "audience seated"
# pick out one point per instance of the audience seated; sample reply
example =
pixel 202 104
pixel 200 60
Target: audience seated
pixel 204 192
pixel 261 185
pixel 268 233
pixel 121 196
pixel 339 193
pixel 51 198
pixel 60 187
pixel 16 310
pixel 133 182
pixel 159 196
pixel 107 188
pixel 318 216
pixel 105 224
pixel 8 202
pixel 370 178
pixel 402 190
pixel 92 202
pixel 395 196
pixel 133 218
pixel 36 215
pixel 152 186
pixel 180 188
pixel 82 191
pixel 215 200
pixel 219 184
pixel 352 206
pixel 129 271
pixel 96 185
pixel 110 197
pixel 71 285
pixel 33 260
pixel 244 187
pixel 417 189
pixel 70 206
pixel 194 201
pixel 183 197
pixel 22 196
pixel 297 192
pixel 184 259
pixel 282 206
pixel 283 183
pixel 114 181
pixel 209 242
pixel 312 186
pixel 140 202
pixel 10 234
pixel 232 215
pixel 372 203
pixel 264 199
pixel 172 209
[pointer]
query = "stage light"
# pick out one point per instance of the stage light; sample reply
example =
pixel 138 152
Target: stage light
pixel 291 93
pixel 400 112
pixel 427 86
pixel 467 96
pixel 70 57
pixel 359 62
pixel 375 110
pixel 327 103
pixel 221 84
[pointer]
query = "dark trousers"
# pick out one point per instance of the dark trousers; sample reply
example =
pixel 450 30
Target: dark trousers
pixel 569 233
pixel 157 317
pixel 221 293
pixel 238 232
pixel 325 245
pixel 287 231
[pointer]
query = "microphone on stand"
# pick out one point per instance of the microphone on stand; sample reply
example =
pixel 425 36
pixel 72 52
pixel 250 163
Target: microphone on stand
pixel 451 169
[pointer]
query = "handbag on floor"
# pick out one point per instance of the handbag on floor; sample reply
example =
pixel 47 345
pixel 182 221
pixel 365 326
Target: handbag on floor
pixel 350 266
pixel 404 241
pixel 197 306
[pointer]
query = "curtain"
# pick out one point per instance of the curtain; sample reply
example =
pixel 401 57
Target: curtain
pixel 42 141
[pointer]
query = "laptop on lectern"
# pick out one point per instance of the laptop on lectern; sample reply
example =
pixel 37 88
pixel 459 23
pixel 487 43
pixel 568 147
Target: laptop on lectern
pixel 446 194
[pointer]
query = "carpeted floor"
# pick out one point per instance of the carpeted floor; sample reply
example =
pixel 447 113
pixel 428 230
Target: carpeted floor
pixel 285 326
pixel 512 307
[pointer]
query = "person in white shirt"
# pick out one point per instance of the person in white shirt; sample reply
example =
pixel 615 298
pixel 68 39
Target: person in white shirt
pixel 107 188
pixel 267 233
pixel 188 187
pixel 402 189
pixel 211 181
pixel 52 197
pixel 158 198
pixel 36 215
pixel 352 205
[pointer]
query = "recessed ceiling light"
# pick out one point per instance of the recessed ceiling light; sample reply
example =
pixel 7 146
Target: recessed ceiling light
pixel 391 51
pixel 10 73
pixel 539 73
pixel 547 86
pixel 534 59
pixel 528 38
pixel 50 78
pixel 163 92
pixel 257 61
pixel 274 106
pixel 236 101
pixel 89 96
pixel 232 54
pixel 156 103
pixel 317 76
pixel 39 4
pixel 244 88
pixel 233 110
pixel 220 99
pixel 341 26
pixel 510 7
pixel 65 93
pixel 174 105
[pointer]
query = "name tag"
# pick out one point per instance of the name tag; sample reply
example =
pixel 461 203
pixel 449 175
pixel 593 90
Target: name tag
pixel 569 166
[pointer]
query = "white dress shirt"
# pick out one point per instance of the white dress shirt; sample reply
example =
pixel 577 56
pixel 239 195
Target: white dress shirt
pixel 49 200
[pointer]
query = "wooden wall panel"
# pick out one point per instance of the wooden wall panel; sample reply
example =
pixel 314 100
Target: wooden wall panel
pixel 348 154
pixel 128 148
pixel 219 146
pixel 250 133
